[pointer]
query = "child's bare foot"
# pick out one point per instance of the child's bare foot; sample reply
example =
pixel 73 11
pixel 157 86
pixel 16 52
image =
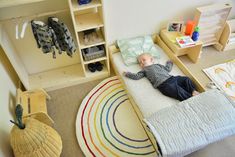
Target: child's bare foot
pixel 195 93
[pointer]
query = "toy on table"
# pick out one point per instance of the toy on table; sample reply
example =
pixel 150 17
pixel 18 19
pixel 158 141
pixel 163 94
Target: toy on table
pixel 189 28
pixel 195 35
pixel 175 26
pixel 81 2
pixel 184 41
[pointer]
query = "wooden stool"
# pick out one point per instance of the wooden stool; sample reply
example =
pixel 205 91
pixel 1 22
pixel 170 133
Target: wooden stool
pixel 34 105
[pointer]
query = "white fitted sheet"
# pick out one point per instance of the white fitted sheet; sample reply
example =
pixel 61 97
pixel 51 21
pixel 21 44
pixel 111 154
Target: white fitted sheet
pixel 148 99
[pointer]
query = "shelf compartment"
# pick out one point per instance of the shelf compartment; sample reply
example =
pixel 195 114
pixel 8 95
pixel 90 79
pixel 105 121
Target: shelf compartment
pixel 92 53
pixel 97 74
pixel 95 60
pixel 91 44
pixel 223 12
pixel 92 4
pixel 207 36
pixel 57 78
pixel 88 21
pixel 209 42
pixel 210 30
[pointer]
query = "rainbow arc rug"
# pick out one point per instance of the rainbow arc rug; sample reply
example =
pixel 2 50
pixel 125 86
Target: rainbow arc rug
pixel 108 126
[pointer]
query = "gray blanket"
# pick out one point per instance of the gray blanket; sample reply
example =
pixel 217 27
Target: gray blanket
pixel 193 123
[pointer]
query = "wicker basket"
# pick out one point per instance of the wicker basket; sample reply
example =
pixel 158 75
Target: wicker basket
pixel 93 55
pixel 35 140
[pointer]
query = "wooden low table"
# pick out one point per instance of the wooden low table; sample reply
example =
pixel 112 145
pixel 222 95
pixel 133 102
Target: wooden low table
pixel 193 52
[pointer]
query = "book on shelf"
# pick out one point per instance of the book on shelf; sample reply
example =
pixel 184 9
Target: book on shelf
pixel 185 41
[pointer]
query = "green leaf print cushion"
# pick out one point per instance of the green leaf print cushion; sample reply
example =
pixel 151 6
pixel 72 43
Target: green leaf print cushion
pixel 133 47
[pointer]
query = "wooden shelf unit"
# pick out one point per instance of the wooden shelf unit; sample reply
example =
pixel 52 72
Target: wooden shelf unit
pixel 87 17
pixel 38 70
pixel 211 21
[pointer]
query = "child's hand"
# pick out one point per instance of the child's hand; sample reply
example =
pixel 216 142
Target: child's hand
pixel 169 62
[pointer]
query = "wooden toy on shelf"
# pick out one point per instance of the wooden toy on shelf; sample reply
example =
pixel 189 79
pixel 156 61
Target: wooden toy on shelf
pixel 227 38
pixel 211 21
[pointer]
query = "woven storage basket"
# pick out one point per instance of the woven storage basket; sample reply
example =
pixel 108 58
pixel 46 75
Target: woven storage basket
pixel 36 140
pixel 93 55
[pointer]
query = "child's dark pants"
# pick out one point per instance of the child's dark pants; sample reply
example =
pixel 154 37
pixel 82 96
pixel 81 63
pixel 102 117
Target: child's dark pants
pixel 178 87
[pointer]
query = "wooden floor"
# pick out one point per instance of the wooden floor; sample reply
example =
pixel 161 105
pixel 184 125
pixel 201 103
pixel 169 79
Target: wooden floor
pixel 209 57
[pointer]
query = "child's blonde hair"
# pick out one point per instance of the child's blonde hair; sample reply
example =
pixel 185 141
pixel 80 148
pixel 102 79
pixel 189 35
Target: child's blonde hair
pixel 142 54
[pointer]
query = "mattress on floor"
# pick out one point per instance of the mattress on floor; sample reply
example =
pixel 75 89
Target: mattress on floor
pixel 148 99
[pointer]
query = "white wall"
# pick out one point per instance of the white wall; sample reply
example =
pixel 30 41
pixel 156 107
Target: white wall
pixel 8 83
pixel 129 18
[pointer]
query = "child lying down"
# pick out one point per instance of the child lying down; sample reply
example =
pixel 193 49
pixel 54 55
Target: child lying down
pixel 178 87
